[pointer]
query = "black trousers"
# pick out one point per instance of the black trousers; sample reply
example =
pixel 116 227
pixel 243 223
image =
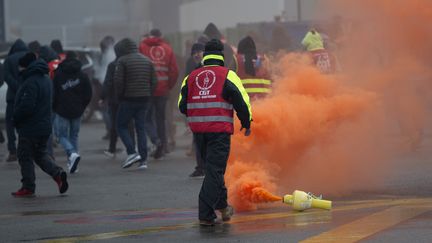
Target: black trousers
pixel 214 148
pixel 10 129
pixel 156 120
pixel 34 149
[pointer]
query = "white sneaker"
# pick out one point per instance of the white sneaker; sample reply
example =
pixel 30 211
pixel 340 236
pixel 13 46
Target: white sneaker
pixel 74 159
pixel 142 165
pixel 130 160
pixel 109 154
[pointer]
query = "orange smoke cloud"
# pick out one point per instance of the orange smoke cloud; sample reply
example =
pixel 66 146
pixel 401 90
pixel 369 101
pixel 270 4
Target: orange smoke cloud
pixel 331 133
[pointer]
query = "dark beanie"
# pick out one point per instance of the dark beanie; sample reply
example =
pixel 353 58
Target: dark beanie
pixel 197 47
pixel 214 46
pixel 156 33
pixel 27 59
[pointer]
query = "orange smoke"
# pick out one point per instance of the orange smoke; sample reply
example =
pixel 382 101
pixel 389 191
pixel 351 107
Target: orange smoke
pixel 335 133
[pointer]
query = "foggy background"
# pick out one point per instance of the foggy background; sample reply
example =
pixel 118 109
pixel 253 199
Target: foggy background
pixel 86 22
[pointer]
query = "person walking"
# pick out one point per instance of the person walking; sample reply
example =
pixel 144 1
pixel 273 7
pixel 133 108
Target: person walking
pixel 197 52
pixel 72 94
pixel 108 98
pixel 12 78
pixel 135 81
pixel 165 64
pixel 209 96
pixel 32 117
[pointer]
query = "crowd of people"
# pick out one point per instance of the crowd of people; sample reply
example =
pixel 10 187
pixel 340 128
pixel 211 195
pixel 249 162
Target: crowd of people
pixel 48 92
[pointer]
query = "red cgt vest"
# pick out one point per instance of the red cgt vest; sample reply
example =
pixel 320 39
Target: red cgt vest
pixel 207 110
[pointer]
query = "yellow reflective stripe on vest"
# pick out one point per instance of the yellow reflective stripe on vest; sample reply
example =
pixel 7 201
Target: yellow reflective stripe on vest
pixel 180 95
pixel 234 78
pixel 256 81
pixel 210 119
pixel 258 90
pixel 205 105
pixel 213 56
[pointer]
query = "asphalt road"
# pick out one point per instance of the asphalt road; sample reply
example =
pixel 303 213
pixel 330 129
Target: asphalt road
pixel 108 204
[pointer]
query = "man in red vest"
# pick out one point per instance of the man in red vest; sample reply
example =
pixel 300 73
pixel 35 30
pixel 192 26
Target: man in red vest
pixel 163 58
pixel 209 96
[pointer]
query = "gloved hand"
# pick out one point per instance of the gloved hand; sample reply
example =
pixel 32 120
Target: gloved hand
pixel 247 131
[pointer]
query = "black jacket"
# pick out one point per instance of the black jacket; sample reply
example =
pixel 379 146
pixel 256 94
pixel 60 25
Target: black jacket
pixel 11 73
pixel 72 89
pixel 135 78
pixel 32 114
pixel 108 91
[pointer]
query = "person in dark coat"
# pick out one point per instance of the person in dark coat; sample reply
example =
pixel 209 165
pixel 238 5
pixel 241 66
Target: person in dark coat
pixel 197 53
pixel 34 46
pixel 108 97
pixel 32 118
pixel 11 77
pixel 72 94
pixel 135 81
pixel 212 32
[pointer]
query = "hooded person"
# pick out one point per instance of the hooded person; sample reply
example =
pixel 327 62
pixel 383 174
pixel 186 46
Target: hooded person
pixel 50 57
pixel 72 94
pixel 34 46
pixel 108 97
pixel 57 46
pixel 13 80
pixel 212 32
pixel 250 69
pixel 32 117
pixel 135 81
pixel 165 64
pixel 209 96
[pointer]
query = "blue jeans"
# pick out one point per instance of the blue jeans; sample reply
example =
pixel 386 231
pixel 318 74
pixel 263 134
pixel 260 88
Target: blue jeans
pixel 137 111
pixel 67 131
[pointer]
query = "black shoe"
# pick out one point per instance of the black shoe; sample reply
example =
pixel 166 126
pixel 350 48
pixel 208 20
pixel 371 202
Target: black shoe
pixel 197 174
pixel 61 181
pixel 207 223
pixel 158 153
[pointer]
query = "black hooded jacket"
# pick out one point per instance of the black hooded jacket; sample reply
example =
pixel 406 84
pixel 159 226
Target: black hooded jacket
pixel 11 73
pixel 72 89
pixel 48 54
pixel 212 32
pixel 134 78
pixel 32 114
